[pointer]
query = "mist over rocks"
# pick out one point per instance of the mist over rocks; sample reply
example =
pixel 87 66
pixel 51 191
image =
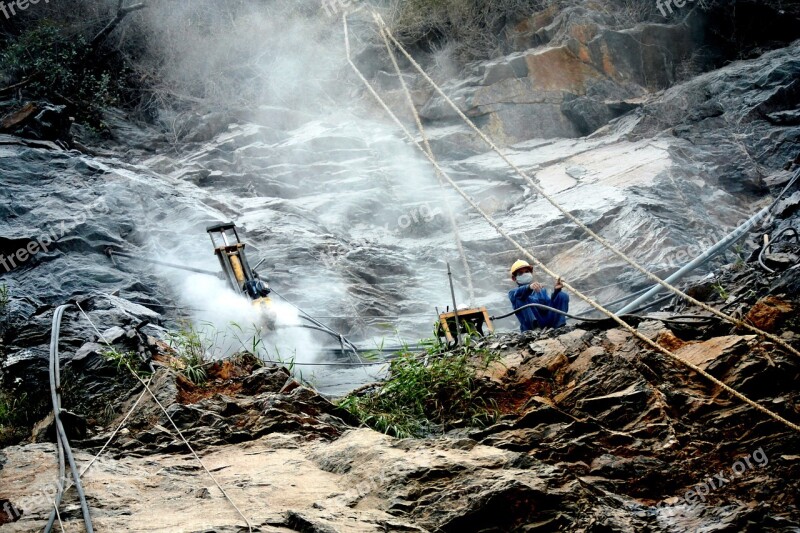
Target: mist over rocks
pixel 660 133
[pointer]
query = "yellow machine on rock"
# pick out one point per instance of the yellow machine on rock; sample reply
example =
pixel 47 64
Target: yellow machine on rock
pixel 230 251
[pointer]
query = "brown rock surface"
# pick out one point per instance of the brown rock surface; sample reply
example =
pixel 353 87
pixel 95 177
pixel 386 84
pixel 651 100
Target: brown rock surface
pixel 768 313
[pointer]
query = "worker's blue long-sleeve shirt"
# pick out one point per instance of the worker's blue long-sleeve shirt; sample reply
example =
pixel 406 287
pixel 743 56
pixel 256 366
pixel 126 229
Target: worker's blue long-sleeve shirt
pixel 534 317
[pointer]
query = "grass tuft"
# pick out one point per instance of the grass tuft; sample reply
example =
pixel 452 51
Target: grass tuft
pixel 434 390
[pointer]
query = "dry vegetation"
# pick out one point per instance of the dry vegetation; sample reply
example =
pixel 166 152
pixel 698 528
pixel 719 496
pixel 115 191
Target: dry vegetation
pixel 475 29
pixel 472 28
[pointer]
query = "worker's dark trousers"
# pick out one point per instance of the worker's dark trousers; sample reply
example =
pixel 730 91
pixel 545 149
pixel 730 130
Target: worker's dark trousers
pixel 550 319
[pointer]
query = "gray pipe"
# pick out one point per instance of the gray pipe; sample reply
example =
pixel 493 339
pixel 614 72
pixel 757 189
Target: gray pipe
pixel 55 382
pixel 61 435
pixel 721 246
pixel 725 243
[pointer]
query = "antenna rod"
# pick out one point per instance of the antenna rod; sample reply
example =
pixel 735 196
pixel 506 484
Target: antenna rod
pixel 455 306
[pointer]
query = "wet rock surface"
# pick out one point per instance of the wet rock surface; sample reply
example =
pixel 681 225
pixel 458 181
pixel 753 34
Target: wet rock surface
pixel 596 433
pixel 331 194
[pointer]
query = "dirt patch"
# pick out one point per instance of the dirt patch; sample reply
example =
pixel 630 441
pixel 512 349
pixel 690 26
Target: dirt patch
pixel 190 393
pixel 668 340
pixel 223 377
pixel 514 399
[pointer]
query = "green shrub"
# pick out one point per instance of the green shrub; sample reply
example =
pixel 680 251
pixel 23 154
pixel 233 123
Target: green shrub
pixel 5 299
pixel 12 409
pixel 192 346
pixel 18 413
pixel 437 389
pixel 124 360
pixel 55 60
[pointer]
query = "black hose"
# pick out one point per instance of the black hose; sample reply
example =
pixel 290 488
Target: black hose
pixel 305 316
pixel 61 435
pixel 767 245
pixel 541 306
pixel 585 319
pixel 655 302
pixel 623 299
pixel 332 333
pixel 343 341
pixel 111 253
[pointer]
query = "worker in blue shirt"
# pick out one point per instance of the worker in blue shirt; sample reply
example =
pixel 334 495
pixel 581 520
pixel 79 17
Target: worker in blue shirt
pixel 531 292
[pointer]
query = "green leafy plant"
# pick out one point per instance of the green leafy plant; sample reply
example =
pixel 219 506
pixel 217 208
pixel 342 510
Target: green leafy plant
pixel 52 59
pixel 196 373
pixel 251 341
pixel 739 264
pixel 433 389
pixel 13 409
pixel 193 347
pixel 720 289
pixel 5 298
pixel 124 360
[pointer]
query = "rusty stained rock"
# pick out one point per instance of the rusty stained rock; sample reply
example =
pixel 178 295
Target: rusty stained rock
pixel 769 312
pixel 18 117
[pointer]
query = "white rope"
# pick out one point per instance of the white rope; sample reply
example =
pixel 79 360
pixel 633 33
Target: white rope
pixel 774 338
pixel 97 456
pixel 544 267
pixel 117 430
pixel 58 514
pixel 440 179
pixel 172 422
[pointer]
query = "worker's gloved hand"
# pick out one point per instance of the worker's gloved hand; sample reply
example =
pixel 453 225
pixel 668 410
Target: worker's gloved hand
pixel 536 286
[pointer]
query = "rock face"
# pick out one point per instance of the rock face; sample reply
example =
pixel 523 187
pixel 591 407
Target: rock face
pixel 572 70
pixel 575 77
pixel 341 200
pixel 595 433
pixel 244 406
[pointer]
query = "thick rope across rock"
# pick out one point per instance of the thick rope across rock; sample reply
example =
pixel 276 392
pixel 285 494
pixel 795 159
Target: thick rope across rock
pixel 429 150
pixel 730 390
pixel 733 320
pixel 147 389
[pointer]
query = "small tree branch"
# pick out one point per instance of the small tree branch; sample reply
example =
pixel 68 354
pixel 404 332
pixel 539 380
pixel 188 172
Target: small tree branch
pixel 20 84
pixel 122 12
